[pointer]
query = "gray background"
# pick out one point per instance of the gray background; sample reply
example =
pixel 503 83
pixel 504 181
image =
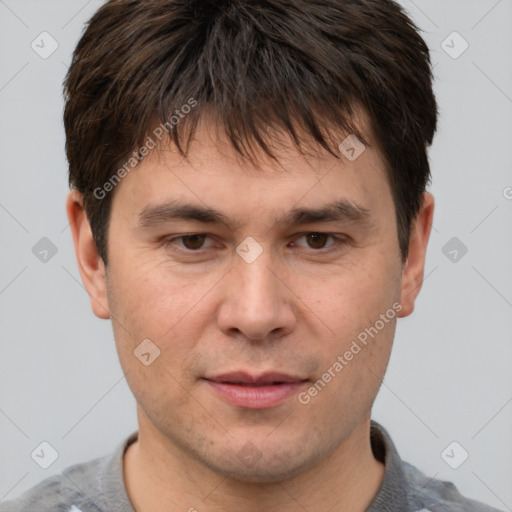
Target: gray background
pixel 449 378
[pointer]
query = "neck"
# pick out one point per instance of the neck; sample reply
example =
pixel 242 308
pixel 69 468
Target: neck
pixel 159 476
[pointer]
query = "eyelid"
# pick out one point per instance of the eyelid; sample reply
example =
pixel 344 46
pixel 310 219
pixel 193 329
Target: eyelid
pixel 339 239
pixel 168 241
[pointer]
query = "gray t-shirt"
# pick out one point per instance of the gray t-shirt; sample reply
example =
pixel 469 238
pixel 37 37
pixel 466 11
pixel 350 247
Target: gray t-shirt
pixel 98 486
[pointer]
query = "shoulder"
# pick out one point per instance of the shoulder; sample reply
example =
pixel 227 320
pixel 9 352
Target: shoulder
pixel 406 489
pixel 73 490
pixel 438 495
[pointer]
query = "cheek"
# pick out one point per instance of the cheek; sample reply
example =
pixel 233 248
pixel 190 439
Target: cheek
pixel 353 366
pixel 148 308
pixel 154 300
pixel 354 298
pixel 356 351
pixel 149 302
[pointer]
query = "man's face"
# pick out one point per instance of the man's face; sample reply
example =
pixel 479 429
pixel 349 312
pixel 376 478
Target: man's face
pixel 220 317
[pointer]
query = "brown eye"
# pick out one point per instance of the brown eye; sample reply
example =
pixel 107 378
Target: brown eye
pixel 317 240
pixel 193 242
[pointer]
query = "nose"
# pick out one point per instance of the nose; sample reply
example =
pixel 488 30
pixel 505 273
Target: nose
pixel 257 303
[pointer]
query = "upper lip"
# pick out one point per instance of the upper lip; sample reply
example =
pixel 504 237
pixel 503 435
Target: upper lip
pixel 247 378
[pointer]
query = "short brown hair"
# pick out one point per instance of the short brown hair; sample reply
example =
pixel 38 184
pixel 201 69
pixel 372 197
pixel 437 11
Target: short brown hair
pixel 256 64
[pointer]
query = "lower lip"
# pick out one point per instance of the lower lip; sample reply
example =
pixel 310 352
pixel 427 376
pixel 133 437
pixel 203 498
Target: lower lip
pixel 256 397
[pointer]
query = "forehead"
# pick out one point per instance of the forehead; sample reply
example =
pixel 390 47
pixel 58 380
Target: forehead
pixel 220 185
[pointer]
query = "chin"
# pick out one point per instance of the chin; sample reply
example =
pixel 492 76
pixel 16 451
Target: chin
pixel 268 469
pixel 260 475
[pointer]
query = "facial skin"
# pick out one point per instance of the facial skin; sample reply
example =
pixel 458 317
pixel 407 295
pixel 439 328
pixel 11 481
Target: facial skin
pixel 294 310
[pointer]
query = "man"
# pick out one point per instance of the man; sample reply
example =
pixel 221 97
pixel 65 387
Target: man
pixel 249 208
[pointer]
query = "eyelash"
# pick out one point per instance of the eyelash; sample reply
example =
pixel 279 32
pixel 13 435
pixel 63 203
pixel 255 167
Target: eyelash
pixel 338 240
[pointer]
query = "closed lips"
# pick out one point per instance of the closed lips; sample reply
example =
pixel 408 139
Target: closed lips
pixel 244 379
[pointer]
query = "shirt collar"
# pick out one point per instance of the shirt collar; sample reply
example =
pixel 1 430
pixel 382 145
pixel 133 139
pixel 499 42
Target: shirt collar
pixel 392 494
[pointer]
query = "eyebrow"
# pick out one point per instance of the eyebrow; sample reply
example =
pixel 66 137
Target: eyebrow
pixel 337 211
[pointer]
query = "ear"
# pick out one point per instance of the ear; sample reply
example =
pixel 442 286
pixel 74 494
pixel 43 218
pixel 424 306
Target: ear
pixel 90 264
pixel 413 271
